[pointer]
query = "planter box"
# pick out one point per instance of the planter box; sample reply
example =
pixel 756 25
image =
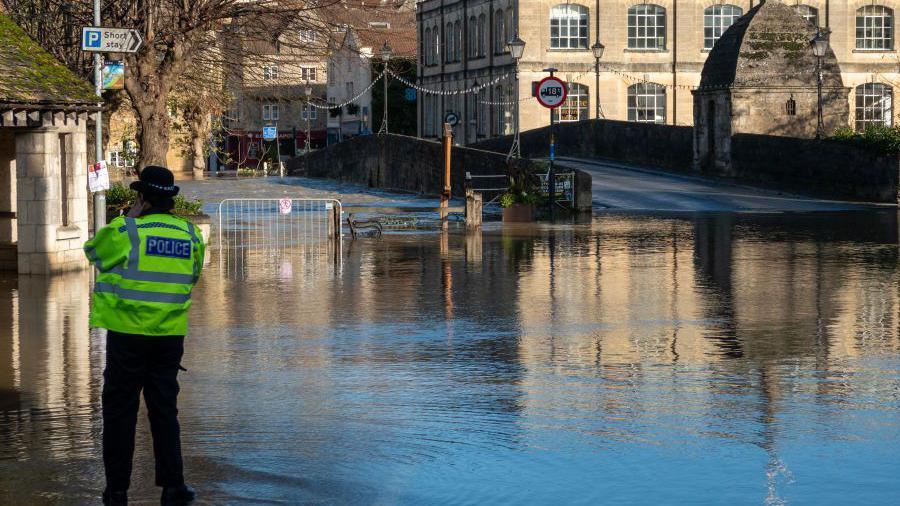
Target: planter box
pixel 518 213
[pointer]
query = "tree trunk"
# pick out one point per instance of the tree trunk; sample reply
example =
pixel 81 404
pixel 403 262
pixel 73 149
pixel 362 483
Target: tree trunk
pixel 152 133
pixel 200 127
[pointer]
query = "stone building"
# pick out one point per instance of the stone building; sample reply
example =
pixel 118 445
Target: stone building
pixel 654 54
pixel 43 158
pixel 761 78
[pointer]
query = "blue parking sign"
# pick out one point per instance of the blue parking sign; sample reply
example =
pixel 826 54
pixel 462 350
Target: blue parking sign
pixel 270 133
pixel 92 38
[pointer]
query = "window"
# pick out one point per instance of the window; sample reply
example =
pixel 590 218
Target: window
pixel 647 27
pixel 471 38
pixel 808 13
pixel 569 27
pixel 65 176
pixel 448 43
pixel 307 73
pixel 457 43
pixel 575 107
pixel 437 46
pixel 500 98
pixel 647 103
pixel 307 35
pixel 874 106
pixel 270 72
pixel 348 89
pixel 482 34
pixel 716 20
pixel 875 28
pixel 499 33
pixel 511 29
pixel 270 112
pixel 308 112
pixel 429 47
pixel 790 108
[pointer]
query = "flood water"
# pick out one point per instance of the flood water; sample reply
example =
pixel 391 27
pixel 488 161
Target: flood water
pixel 710 358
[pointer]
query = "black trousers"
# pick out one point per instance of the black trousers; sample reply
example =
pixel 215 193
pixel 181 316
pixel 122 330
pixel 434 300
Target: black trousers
pixel 151 364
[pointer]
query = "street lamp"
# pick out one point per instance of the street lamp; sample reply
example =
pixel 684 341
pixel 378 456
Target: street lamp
pixel 597 49
pixel 308 90
pixel 516 49
pixel 819 45
pixel 385 57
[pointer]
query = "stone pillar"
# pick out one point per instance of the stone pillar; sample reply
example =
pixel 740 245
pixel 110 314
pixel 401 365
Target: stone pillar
pixel 51 201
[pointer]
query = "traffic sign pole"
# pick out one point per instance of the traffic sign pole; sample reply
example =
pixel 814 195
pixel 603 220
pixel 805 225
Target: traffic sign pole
pixel 100 196
pixel 551 93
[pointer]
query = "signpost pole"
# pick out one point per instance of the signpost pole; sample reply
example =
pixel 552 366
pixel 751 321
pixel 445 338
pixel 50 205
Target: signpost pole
pixel 551 174
pixel 100 196
pixel 445 196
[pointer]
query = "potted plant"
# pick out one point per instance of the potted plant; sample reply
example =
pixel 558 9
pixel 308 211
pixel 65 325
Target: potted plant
pixel 519 199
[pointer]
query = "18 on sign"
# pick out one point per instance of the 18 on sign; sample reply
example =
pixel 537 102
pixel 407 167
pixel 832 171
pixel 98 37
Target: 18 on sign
pixel 551 92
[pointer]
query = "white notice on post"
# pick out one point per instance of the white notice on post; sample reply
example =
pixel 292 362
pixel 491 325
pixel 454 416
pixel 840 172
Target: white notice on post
pixel 98 177
pixel 285 205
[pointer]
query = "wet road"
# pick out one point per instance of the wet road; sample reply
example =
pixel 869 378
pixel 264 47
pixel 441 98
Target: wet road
pixel 640 358
pixel 624 187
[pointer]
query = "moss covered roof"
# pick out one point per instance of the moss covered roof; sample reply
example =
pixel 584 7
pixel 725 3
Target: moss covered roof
pixel 29 74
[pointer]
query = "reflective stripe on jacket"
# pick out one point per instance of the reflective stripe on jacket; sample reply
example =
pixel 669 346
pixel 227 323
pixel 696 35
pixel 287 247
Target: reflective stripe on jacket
pixel 147 268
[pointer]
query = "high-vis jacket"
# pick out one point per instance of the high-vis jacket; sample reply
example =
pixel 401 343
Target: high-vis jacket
pixel 147 267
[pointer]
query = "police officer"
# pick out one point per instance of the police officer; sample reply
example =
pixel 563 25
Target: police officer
pixel 148 263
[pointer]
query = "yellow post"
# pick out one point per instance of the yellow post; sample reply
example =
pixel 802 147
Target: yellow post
pixel 445 196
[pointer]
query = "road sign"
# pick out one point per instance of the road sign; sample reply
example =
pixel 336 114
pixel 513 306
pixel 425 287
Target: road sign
pixel 110 40
pixel 452 118
pixel 270 133
pixel 551 92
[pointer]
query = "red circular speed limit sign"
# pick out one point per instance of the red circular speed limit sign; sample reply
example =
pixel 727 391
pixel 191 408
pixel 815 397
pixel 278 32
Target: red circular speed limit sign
pixel 551 92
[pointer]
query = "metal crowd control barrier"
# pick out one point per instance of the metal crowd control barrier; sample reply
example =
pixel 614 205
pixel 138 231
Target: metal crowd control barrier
pixel 280 227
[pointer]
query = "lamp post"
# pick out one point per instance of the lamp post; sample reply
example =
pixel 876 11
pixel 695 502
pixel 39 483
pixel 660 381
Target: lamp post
pixel 385 57
pixel 516 49
pixel 597 49
pixel 819 45
pixel 308 91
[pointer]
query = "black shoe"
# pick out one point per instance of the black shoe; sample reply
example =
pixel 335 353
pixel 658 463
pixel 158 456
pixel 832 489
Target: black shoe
pixel 115 498
pixel 176 496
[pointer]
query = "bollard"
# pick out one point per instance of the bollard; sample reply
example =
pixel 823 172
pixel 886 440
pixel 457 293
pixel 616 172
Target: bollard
pixel 474 209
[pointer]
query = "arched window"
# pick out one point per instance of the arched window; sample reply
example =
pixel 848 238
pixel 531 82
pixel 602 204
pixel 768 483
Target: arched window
pixel 457 43
pixel 429 47
pixel 482 34
pixel 569 27
pixel 810 14
pixel 575 107
pixel 449 51
pixel 436 57
pixel 499 33
pixel 647 103
pixel 875 28
pixel 716 20
pixel 874 105
pixel 647 27
pixel 471 44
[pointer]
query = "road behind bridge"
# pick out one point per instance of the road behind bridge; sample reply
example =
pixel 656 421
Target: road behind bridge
pixel 627 187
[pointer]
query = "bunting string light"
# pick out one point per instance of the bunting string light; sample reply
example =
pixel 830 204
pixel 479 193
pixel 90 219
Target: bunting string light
pixel 350 100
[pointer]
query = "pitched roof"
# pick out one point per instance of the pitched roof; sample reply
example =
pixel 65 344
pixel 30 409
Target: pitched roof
pixel 375 24
pixel 31 75
pixel 767 47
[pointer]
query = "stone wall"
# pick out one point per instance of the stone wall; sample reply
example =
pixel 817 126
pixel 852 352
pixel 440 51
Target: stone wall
pixel 397 162
pixel 823 168
pixel 664 146
pixel 819 168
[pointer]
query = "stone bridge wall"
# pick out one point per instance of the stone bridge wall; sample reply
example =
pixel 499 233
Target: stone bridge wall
pixel 819 168
pixel 398 162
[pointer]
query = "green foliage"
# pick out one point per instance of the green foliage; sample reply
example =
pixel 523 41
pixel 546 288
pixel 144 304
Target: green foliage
pixel 876 138
pixel 120 198
pixel 523 189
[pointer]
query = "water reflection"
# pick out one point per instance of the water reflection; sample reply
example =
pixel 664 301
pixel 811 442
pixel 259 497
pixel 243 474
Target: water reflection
pixel 730 358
